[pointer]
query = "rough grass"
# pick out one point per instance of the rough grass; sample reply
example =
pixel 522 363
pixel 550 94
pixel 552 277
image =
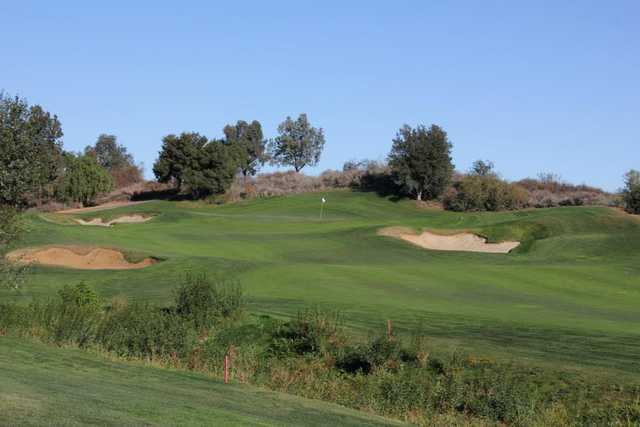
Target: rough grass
pixel 568 296
pixel 43 385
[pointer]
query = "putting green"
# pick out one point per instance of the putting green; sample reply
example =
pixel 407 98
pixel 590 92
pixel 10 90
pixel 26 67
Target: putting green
pixel 568 295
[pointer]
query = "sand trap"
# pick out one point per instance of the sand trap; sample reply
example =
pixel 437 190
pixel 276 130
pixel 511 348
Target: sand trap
pixel 466 242
pixel 80 258
pixel 126 219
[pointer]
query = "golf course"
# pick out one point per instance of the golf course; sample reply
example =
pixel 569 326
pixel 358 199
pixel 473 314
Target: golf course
pixel 566 297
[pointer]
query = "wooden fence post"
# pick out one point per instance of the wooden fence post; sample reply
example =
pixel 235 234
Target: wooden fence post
pixel 226 369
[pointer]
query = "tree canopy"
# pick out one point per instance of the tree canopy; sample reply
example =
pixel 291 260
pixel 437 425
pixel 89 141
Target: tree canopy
pixel 116 159
pixel 249 144
pixel 298 144
pixel 420 159
pixel 197 165
pixel 109 154
pixel 30 151
pixel 179 155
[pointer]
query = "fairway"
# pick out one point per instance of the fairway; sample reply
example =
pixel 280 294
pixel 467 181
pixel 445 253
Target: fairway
pixel 42 385
pixel 567 296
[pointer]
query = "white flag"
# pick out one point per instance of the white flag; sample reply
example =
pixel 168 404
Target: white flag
pixel 323 200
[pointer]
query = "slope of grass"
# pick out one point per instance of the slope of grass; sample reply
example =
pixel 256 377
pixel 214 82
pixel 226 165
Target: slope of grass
pixel 43 385
pixel 568 296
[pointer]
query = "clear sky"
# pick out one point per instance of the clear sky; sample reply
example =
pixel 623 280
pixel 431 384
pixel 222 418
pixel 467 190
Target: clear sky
pixel 531 85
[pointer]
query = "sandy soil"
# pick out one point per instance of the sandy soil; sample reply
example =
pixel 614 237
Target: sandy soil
pixel 126 219
pixel 77 257
pixel 466 242
pixel 110 205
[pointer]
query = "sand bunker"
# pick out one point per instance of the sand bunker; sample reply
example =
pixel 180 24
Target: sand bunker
pixel 127 219
pixel 466 242
pixel 80 258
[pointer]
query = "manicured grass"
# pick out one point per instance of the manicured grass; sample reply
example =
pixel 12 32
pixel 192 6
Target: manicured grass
pixel 569 296
pixel 44 385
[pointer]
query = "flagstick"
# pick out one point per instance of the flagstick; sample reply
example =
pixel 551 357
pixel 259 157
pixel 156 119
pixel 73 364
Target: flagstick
pixel 321 209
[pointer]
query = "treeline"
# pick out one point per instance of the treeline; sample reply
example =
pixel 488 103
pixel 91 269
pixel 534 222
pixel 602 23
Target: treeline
pixel 312 355
pixel 203 167
pixel 35 169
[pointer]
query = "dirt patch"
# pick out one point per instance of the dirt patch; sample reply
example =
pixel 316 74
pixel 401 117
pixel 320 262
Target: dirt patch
pixel 465 242
pixel 126 219
pixel 78 257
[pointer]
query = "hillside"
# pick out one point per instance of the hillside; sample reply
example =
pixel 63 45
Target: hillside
pixel 568 295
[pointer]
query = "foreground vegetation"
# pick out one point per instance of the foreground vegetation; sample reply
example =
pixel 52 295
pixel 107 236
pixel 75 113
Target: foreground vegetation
pixel 312 356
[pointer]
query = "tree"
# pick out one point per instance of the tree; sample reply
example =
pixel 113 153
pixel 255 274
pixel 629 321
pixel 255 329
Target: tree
pixel 108 153
pixel 10 229
pixel 30 151
pixel 216 165
pixel 482 168
pixel 631 192
pixel 84 179
pixel 178 156
pixel 298 144
pixel 115 158
pixel 421 160
pixel 249 143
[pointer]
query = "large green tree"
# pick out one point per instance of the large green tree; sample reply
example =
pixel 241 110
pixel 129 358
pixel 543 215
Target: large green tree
pixel 420 159
pixel 30 151
pixel 84 179
pixel 298 144
pixel 179 155
pixel 109 154
pixel 116 159
pixel 217 164
pixel 249 145
pixel 631 192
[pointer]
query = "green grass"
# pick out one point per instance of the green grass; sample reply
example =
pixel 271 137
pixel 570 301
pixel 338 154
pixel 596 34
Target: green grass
pixel 569 296
pixel 44 385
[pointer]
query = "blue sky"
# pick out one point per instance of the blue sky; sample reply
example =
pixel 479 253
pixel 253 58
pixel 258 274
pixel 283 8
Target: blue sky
pixel 531 85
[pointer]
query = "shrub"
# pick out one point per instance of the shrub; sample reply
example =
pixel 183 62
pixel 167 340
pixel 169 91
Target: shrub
pixel 84 180
pixel 203 303
pixel 484 193
pixel 312 332
pixel 77 315
pixel 125 176
pixel 142 330
pixel 548 190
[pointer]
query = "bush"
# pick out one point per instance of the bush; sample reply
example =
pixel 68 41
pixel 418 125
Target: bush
pixel 548 190
pixel 142 330
pixel 76 316
pixel 203 303
pixel 484 193
pixel 126 176
pixel 84 180
pixel 312 332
